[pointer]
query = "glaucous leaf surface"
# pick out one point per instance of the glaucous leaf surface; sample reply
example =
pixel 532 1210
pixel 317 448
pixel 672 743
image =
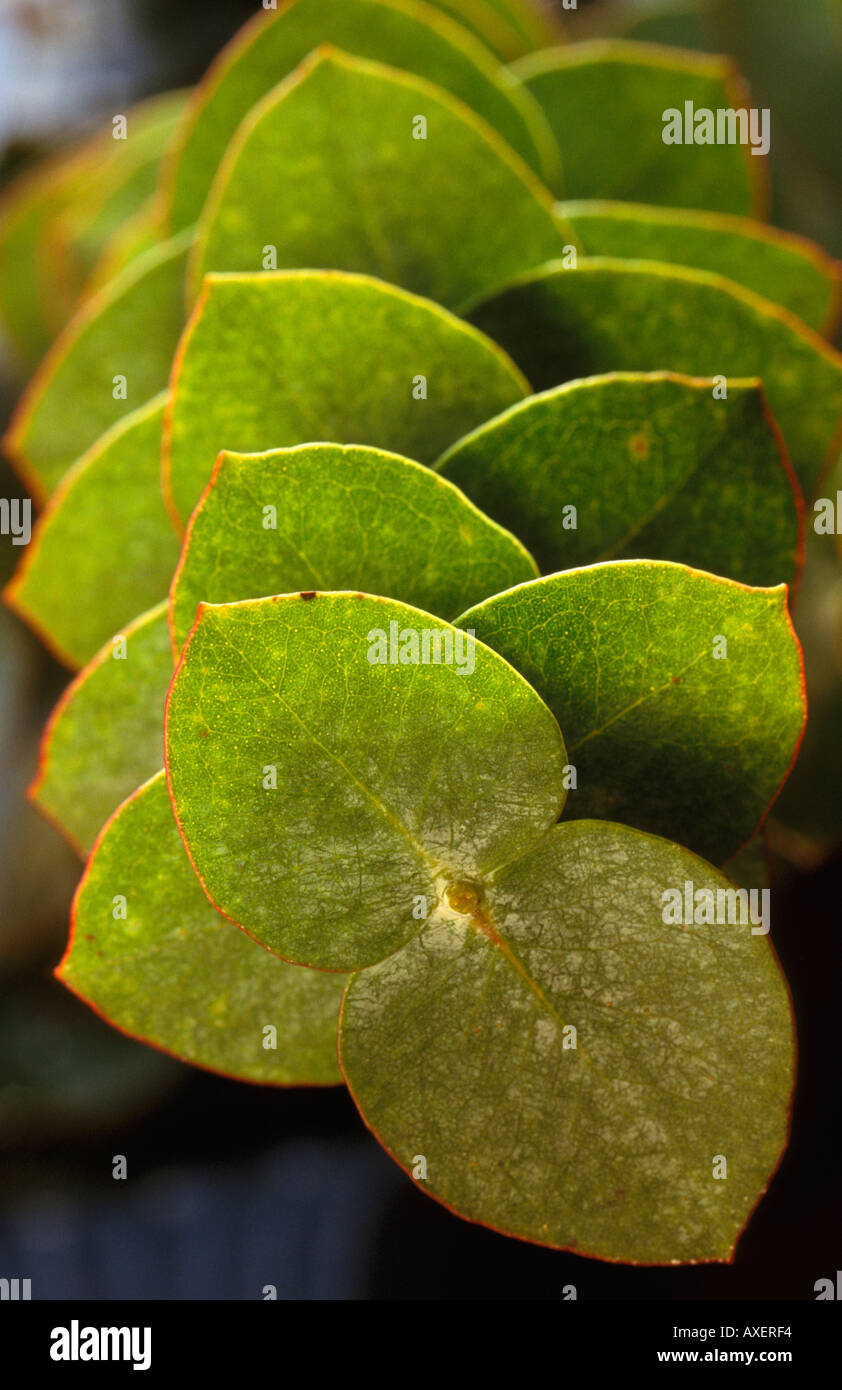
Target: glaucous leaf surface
pixel 782 267
pixel 113 357
pixel 408 35
pixel 104 547
pixel 374 191
pixel 680 694
pixel 570 1067
pixel 149 953
pixel 322 793
pixel 605 102
pixel 276 359
pixel 331 516
pixel 613 315
pixel 106 734
pixel 681 476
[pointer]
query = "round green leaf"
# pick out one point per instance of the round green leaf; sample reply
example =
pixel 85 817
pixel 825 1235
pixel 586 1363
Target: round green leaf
pixel 107 527
pixel 322 793
pixel 624 316
pixel 106 734
pixel 680 694
pixel 681 476
pixel 149 952
pixel 328 516
pixel 605 101
pixel 372 190
pixel 270 360
pixel 112 357
pixel 782 267
pixel 457 1050
pixel 402 33
pixel 28 208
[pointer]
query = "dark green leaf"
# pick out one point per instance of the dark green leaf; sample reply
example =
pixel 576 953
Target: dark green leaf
pixel 786 269
pixel 624 316
pixel 680 694
pixel 681 476
pixel 112 358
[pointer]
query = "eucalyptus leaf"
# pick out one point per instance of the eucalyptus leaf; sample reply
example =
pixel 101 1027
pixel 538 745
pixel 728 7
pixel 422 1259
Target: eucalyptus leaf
pixel 571 1069
pixel 681 476
pixel 120 187
pixel 509 27
pixel 149 952
pixel 681 694
pixel 138 234
pixel 405 34
pixel 106 524
pixel 113 357
pixel 29 205
pixel 73 194
pixel 324 793
pixel 106 735
pixel 606 102
pixel 611 315
pixel 277 359
pixel 374 189
pixel 326 516
pixel 787 269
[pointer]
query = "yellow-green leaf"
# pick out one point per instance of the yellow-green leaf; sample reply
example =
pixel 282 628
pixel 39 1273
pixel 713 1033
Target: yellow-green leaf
pixel 113 357
pixel 681 476
pixel 276 359
pixel 150 953
pixel 106 734
pixel 404 33
pixel 373 162
pixel 325 516
pixel 104 548
pixel 607 102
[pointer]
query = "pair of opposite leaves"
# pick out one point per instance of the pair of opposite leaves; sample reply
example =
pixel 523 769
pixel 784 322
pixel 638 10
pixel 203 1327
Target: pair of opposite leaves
pixel 332 517
pixel 570 1067
pixel 436 239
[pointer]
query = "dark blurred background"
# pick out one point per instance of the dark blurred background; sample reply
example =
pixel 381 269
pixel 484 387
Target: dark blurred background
pixel 232 1187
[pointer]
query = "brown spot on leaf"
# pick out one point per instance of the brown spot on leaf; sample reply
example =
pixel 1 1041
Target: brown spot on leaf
pixel 307 593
